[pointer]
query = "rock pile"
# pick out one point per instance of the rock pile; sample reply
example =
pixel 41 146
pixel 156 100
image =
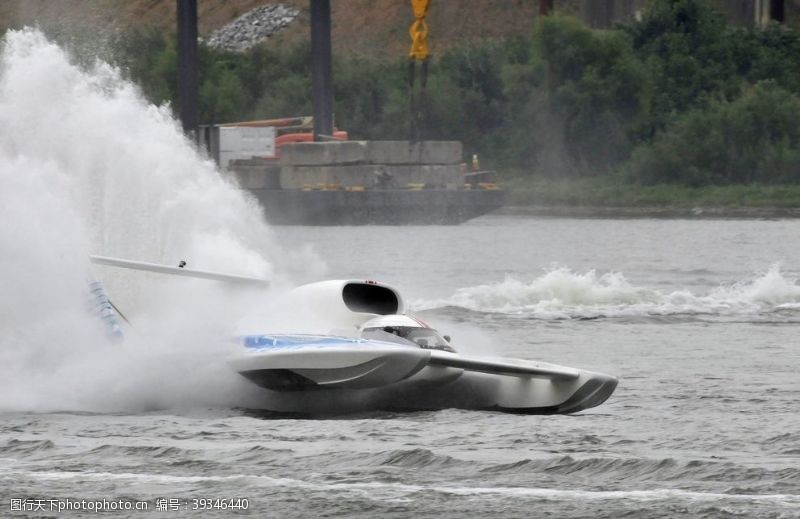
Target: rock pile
pixel 253 27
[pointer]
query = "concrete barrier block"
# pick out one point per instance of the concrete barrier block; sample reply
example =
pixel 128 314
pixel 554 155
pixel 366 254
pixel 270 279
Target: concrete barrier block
pixel 406 152
pixel 453 176
pixel 254 161
pixel 349 176
pixel 297 177
pixel 323 153
pixel 401 175
pixel 256 177
pixel 436 176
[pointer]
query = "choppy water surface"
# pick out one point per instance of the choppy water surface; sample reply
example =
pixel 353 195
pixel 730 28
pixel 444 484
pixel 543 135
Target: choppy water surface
pixel 696 318
pixel 699 319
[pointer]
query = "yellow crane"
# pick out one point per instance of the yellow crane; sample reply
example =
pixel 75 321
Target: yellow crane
pixel 418 54
pixel 419 30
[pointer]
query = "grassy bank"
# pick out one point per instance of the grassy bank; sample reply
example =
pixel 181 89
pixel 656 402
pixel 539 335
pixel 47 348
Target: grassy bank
pixel 605 192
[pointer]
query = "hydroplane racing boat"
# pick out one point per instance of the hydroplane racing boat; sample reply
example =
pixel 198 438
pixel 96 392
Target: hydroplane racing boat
pixel 396 361
pixel 378 356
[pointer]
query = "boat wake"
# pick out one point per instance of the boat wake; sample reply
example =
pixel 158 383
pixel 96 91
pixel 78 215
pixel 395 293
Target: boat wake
pixel 563 294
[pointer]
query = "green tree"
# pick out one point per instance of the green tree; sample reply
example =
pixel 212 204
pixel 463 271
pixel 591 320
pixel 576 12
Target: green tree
pixel 690 52
pixel 755 138
pixel 576 106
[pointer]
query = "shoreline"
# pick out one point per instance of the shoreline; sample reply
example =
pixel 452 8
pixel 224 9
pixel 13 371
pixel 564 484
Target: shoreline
pixel 666 212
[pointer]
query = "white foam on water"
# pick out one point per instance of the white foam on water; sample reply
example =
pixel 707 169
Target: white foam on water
pixel 561 293
pixel 380 491
pixel 88 166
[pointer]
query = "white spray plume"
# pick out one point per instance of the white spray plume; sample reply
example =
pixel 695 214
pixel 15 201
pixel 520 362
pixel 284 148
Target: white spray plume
pixel 88 166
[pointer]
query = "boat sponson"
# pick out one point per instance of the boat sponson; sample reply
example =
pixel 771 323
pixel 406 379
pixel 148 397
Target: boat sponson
pixel 278 379
pixel 351 368
pixel 592 393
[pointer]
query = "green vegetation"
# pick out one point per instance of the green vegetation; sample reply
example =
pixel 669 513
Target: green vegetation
pixel 754 138
pixel 678 105
pixel 603 192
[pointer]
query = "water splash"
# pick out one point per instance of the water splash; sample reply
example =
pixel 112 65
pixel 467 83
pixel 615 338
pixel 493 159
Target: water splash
pixel 88 166
pixel 561 293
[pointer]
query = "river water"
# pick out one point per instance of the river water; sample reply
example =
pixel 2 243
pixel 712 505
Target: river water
pixel 698 319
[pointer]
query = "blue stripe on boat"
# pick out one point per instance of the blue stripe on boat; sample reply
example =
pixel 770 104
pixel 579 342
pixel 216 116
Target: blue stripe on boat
pixel 296 341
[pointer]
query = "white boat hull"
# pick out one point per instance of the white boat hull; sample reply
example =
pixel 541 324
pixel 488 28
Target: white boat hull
pixel 298 363
pixel 314 375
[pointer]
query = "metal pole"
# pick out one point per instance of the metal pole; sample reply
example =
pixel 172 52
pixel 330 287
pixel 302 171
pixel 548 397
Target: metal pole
pixel 321 69
pixel 777 11
pixel 188 64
